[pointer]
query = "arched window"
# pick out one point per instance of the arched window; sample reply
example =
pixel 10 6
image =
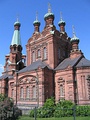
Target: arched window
pixel 7 66
pixel 59 53
pixel 34 91
pixel 38 53
pixel 44 53
pixel 27 92
pixel 33 56
pixel 64 53
pixel 21 92
pixel 61 91
pixel 12 93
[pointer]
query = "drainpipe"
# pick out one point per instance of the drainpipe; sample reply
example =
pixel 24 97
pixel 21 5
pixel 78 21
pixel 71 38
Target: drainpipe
pixel 75 86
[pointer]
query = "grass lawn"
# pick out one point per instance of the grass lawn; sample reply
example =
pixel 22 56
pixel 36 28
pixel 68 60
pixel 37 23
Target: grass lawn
pixel 63 118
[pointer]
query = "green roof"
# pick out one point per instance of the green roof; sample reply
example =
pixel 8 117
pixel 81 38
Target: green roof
pixel 16 38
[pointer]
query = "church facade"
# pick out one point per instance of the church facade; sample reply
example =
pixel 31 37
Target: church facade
pixel 55 67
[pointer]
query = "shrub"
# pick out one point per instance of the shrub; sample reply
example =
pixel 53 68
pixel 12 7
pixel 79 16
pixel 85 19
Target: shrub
pixel 7 109
pixel 83 110
pixel 46 111
pixel 32 113
pixel 63 108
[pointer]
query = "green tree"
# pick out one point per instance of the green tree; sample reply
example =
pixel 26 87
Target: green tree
pixel 8 111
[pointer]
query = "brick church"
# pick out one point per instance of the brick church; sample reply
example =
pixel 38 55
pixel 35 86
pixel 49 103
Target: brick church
pixel 55 66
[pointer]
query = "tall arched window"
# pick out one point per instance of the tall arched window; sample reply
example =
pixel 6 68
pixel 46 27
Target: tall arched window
pixel 12 94
pixel 21 92
pixel 38 53
pixel 44 53
pixel 61 91
pixel 33 56
pixel 59 53
pixel 34 91
pixel 27 92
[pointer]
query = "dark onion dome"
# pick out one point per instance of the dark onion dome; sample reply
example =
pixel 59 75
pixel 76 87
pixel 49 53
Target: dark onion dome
pixel 61 22
pixel 36 22
pixel 74 38
pixel 17 23
pixel 49 14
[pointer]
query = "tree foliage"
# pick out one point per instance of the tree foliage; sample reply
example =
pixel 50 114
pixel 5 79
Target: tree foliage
pixel 8 111
pixel 63 108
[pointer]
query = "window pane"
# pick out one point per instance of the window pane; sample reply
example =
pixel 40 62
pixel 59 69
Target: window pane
pixel 12 93
pixel 21 92
pixel 39 53
pixel 61 90
pixel 33 56
pixel 27 92
pixel 44 53
pixel 34 92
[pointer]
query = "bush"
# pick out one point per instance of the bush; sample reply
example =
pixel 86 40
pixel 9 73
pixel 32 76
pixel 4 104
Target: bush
pixel 32 113
pixel 48 108
pixel 63 108
pixel 46 111
pixel 83 110
pixel 7 109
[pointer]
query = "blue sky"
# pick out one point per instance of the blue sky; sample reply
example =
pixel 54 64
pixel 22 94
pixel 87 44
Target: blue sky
pixel 74 12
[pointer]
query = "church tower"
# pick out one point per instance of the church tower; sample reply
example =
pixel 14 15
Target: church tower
pixel 51 45
pixel 75 52
pixel 14 59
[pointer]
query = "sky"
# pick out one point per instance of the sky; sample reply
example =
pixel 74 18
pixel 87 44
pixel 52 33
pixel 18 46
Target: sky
pixel 74 12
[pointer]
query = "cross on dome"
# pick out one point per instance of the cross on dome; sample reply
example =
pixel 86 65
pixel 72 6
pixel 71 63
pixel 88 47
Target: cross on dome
pixel 49 8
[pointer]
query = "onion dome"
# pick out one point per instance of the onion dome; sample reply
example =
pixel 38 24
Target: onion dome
pixel 17 23
pixel 36 22
pixel 74 38
pixel 49 14
pixel 61 22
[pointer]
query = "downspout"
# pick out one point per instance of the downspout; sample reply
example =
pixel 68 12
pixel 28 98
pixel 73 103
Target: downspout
pixel 75 86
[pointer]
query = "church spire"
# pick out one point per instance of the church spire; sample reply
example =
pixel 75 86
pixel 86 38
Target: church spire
pixel 16 40
pixel 14 59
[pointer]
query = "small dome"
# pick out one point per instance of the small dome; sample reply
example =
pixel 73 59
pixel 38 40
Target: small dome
pixel 48 15
pixel 61 22
pixel 17 23
pixel 36 22
pixel 74 39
